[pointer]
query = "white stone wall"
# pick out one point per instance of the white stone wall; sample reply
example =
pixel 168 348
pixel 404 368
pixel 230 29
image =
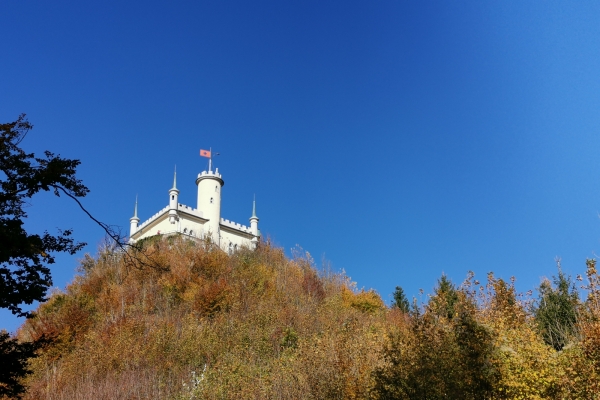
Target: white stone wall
pixel 159 225
pixel 231 242
pixel 233 236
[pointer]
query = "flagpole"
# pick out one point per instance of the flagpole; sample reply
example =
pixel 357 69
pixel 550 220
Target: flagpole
pixel 210 160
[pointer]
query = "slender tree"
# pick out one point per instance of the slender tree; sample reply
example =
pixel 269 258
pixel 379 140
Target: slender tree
pixel 400 300
pixel 444 298
pixel 556 309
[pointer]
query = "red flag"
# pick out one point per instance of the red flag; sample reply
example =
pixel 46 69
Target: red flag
pixel 204 153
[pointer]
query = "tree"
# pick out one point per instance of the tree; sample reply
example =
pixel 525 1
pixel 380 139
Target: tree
pixel 475 349
pixel 400 300
pixel 14 363
pixel 435 356
pixel 556 310
pixel 24 258
pixel 444 298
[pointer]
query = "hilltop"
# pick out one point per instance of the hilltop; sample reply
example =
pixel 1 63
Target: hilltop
pixel 251 325
pixel 184 320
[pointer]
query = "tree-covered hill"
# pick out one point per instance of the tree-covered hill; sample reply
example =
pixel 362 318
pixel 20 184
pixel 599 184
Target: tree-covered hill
pixel 251 325
pixel 183 320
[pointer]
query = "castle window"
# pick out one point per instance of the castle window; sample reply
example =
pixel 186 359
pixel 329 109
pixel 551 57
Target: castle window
pixel 216 188
pixel 191 232
pixel 172 197
pixel 230 248
pixel 211 200
pixel 184 230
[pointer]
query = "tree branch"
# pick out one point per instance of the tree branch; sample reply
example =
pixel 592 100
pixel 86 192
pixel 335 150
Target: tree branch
pixel 115 236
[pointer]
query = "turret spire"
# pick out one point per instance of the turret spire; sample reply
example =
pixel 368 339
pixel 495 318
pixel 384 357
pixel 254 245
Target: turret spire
pixel 175 178
pixel 173 200
pixel 135 208
pixel 133 222
pixel 254 224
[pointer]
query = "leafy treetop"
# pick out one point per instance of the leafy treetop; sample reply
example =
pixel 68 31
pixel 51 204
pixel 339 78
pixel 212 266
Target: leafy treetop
pixel 24 258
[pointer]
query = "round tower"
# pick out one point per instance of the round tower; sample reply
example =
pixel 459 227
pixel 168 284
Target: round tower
pixel 173 200
pixel 209 202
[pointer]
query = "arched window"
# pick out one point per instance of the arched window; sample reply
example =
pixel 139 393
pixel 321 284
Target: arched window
pixel 235 247
pixel 184 230
pixel 191 232
pixel 230 251
pixel 173 197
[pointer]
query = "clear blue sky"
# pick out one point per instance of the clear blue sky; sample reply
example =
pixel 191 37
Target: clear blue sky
pixel 398 140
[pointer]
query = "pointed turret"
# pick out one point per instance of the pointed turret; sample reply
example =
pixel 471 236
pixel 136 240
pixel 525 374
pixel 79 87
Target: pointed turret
pixel 254 224
pixel 173 200
pixel 254 208
pixel 135 209
pixel 175 179
pixel 134 221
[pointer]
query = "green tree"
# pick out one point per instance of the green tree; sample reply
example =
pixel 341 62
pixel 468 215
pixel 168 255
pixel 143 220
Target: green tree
pixel 556 309
pixel 445 297
pixel 14 357
pixel 444 354
pixel 24 257
pixel 400 300
pixel 475 348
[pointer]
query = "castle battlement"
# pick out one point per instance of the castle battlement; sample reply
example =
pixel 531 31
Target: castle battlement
pixel 214 174
pixel 190 210
pixel 152 218
pixel 235 225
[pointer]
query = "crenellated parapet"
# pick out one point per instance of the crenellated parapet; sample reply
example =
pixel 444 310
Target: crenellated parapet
pixel 153 218
pixel 235 225
pixel 191 210
pixel 210 175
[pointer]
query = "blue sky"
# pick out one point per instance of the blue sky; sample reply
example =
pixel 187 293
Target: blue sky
pixel 397 140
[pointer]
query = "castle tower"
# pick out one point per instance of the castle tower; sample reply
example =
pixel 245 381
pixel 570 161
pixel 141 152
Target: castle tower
pixel 133 221
pixel 209 201
pixel 173 200
pixel 254 225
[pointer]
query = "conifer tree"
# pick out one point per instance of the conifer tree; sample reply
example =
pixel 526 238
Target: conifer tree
pixel 445 297
pixel 556 309
pixel 400 300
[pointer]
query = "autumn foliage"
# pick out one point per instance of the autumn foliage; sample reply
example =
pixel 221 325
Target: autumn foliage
pixel 201 324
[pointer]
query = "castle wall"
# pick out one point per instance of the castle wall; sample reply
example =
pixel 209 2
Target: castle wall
pixel 233 241
pixel 160 225
pixel 233 235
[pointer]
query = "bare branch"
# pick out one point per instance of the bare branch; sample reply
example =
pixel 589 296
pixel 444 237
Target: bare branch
pixel 117 238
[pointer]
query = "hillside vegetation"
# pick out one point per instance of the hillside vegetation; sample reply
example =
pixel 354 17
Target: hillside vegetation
pixel 200 324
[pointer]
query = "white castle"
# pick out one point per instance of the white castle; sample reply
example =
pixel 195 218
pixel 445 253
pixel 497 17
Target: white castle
pixel 198 223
